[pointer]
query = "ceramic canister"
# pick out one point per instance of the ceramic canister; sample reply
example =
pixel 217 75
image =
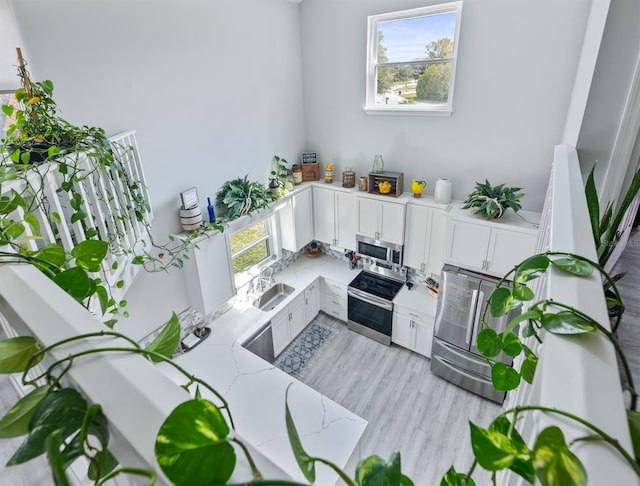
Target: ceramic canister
pixel 191 218
pixel 443 191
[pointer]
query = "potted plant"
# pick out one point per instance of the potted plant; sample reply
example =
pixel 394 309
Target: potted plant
pixel 241 197
pixel 491 202
pixel 281 178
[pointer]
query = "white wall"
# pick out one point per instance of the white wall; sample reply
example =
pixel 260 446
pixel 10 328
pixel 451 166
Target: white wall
pixel 617 60
pixel 517 62
pixel 213 88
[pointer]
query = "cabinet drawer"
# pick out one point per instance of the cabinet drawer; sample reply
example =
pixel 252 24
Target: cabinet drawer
pixel 335 289
pixel 337 311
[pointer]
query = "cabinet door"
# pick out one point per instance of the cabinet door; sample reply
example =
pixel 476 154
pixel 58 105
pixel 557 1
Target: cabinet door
pixel 208 275
pixel 323 215
pixel 467 244
pixel 296 317
pixel 296 220
pixel 437 240
pixel 345 220
pixel 280 331
pixel 312 302
pixel 369 217
pixel 392 222
pixel 402 331
pixel 423 332
pixel 508 248
pixel 417 236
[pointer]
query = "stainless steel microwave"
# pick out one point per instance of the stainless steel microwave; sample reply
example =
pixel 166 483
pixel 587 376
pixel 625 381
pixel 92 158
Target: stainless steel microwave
pixel 379 251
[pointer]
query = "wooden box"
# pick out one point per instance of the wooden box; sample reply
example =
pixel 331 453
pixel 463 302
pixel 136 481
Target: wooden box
pixel 310 167
pixel 393 178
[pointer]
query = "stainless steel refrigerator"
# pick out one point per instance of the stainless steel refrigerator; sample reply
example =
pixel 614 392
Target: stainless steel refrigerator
pixel 463 295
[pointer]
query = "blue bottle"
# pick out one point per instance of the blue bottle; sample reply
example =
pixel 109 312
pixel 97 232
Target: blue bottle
pixel 212 216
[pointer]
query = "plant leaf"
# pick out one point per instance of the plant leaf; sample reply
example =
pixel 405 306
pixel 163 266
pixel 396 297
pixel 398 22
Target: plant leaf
pixel 90 253
pixel 16 352
pixel 511 344
pixel 522 292
pixel 573 266
pixel 504 378
pixel 528 368
pixel 371 471
pixel 492 449
pixel 522 464
pixel 633 418
pixel 531 268
pixel 53 254
pixel 593 205
pixel 554 463
pixel 454 478
pixel 56 461
pixel 192 446
pixel 62 410
pixel 304 460
pixel 76 283
pixel 489 343
pixel 167 341
pixel 501 301
pixel 566 322
pixel 103 463
pixel 15 422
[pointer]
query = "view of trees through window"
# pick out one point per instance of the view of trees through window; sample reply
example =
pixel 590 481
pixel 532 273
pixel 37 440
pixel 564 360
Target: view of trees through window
pixel 414 59
pixel 250 246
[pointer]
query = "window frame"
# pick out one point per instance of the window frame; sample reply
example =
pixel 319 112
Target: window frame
pixel 271 238
pixel 370 106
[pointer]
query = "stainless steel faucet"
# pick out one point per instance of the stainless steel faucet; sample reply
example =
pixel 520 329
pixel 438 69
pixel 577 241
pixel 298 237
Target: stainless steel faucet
pixel 265 276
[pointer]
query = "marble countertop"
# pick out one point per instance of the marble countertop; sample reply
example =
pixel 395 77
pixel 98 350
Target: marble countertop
pixel 255 389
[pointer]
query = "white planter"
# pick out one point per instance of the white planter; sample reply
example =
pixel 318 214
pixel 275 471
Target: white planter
pixel 191 218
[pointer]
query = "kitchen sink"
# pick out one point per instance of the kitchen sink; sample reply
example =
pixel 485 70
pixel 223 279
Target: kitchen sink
pixel 274 295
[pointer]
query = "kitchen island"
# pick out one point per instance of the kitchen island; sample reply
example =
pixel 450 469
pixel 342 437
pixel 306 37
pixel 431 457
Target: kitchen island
pixel 255 389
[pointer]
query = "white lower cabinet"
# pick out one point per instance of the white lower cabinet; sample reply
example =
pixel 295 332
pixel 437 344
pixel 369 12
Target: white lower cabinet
pixel 288 323
pixel 311 301
pixel 334 299
pixel 412 330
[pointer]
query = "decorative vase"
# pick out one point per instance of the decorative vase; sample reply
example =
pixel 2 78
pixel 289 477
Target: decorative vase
pixel 378 164
pixel 417 186
pixel 363 184
pixel 190 218
pixel 328 173
pixel 443 191
pixel 274 187
pixel 349 178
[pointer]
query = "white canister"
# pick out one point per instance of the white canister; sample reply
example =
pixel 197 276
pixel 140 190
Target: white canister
pixel 443 191
pixel 191 218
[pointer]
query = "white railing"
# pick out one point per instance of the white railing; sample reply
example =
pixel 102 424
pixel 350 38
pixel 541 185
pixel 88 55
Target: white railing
pixel 105 193
pixel 576 374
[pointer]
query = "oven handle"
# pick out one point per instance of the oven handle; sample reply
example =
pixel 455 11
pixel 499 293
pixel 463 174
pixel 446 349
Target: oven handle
pixel 358 294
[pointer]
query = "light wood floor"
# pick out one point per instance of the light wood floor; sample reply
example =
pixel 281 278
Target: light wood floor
pixel 408 409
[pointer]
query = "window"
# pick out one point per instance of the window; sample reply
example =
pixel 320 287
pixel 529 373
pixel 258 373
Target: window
pixel 250 246
pixel 411 59
pixel 7 98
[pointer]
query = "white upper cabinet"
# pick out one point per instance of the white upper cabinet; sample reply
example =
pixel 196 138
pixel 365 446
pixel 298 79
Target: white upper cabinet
pixel 487 248
pixel 424 238
pixel 381 220
pixel 208 274
pixel 296 221
pixel 334 217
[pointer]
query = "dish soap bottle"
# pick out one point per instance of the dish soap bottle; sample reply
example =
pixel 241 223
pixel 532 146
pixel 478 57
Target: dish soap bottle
pixel 212 216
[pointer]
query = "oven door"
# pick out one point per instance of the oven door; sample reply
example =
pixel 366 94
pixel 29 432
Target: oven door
pixel 370 315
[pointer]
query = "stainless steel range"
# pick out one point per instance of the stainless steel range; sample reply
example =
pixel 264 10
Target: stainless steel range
pixel 370 299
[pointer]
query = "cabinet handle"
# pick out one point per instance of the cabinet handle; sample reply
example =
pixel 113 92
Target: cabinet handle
pixel 306 301
pixel 334 302
pixel 410 323
pixel 488 265
pixel 290 316
pixel 414 315
pixel 422 267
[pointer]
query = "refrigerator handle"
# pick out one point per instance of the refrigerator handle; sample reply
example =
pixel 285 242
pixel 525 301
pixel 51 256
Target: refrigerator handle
pixel 478 313
pixel 472 308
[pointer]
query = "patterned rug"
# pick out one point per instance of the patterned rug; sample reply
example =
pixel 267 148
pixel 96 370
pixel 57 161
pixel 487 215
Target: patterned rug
pixel 298 358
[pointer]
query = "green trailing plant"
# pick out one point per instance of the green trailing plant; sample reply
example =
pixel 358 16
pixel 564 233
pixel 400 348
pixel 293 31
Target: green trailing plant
pixel 242 197
pixel 500 446
pixel 194 445
pixel 492 201
pixel 38 142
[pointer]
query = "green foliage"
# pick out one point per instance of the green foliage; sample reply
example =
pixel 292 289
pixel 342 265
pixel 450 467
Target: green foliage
pixel 281 178
pixel 16 421
pixel 242 197
pixel 193 446
pixel 167 341
pixel 433 85
pixel 492 201
pixel 16 353
pixel 554 463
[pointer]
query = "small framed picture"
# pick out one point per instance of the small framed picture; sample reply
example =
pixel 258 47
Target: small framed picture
pixel 189 198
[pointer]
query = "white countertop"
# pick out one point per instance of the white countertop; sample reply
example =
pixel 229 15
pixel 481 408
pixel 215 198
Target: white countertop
pixel 255 389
